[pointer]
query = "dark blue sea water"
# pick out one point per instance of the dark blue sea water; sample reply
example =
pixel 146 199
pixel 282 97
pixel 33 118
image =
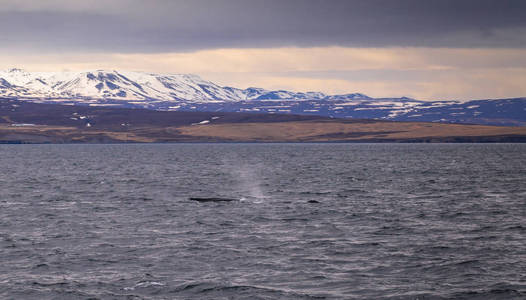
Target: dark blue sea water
pixel 411 221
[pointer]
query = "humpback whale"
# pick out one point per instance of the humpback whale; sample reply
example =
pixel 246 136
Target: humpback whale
pixel 211 199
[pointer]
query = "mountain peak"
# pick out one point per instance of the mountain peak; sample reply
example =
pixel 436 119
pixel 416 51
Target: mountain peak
pixel 16 70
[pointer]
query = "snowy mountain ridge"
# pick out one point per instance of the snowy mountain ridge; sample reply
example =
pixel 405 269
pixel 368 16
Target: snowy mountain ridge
pixel 137 86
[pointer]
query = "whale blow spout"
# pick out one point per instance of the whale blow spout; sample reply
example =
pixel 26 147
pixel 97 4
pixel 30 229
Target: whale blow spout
pixel 212 199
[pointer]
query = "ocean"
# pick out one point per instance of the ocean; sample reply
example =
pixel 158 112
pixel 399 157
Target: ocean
pixel 308 221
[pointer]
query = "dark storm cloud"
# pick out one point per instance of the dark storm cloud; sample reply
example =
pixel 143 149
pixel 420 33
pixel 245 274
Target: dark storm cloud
pixel 152 26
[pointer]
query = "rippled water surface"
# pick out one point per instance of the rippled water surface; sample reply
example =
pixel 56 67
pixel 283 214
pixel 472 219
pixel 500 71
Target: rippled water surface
pixel 315 221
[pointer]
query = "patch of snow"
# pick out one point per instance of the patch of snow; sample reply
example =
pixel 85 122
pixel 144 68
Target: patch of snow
pixel 372 108
pixel 23 125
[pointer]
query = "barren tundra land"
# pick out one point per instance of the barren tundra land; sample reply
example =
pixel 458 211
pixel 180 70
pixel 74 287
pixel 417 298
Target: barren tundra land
pixel 23 122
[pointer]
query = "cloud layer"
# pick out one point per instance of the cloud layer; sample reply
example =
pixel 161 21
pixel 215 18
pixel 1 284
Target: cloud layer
pixel 188 25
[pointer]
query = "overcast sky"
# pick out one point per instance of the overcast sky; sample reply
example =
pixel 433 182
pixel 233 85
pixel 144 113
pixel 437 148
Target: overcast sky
pixel 426 49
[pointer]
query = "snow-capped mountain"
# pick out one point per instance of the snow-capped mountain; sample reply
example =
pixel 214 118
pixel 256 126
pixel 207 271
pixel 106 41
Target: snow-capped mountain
pixel 132 86
pixel 114 85
pixel 186 92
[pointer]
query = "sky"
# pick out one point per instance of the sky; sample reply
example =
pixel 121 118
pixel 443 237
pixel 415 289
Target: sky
pixel 424 49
